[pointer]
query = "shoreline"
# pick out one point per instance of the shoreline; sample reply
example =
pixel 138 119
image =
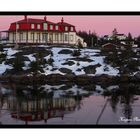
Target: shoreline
pixel 69 78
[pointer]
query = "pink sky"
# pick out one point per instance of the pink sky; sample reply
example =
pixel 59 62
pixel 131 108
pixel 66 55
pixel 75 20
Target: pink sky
pixel 100 24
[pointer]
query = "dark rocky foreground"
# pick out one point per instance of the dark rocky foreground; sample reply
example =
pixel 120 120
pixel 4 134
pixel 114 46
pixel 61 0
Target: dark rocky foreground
pixel 77 79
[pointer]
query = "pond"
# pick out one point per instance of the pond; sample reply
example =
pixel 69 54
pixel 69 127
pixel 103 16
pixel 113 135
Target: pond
pixel 69 104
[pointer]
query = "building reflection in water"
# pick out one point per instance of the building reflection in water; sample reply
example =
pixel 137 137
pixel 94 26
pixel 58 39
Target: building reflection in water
pixel 34 104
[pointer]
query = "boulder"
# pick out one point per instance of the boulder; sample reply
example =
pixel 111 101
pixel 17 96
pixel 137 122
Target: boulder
pixel 53 69
pixel 91 69
pixel 66 87
pixel 65 51
pixel 78 69
pixel 65 70
pixel 83 79
pixel 104 78
pixel 70 63
pixel 84 59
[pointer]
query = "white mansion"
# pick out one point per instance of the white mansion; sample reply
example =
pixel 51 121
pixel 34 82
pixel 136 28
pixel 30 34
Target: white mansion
pixel 42 31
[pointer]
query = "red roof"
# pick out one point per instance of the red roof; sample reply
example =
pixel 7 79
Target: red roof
pixel 109 45
pixel 25 24
pixel 64 24
pixel 31 20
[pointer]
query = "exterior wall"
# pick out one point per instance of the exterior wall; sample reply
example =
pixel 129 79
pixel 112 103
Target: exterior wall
pixel 51 37
pixel 78 38
pixel 121 37
pixel 72 37
pixel 10 37
pixel 13 37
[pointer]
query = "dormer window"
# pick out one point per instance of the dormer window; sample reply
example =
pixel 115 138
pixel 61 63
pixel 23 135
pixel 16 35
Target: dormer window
pixel 17 26
pixel 51 27
pixel 56 27
pixel 38 26
pixel 45 26
pixel 66 28
pixel 71 28
pixel 32 26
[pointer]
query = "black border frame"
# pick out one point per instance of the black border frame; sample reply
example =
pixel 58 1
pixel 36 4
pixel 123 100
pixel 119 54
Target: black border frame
pixel 78 13
pixel 74 13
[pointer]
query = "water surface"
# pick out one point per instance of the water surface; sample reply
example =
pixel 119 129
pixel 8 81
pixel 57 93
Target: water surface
pixel 69 104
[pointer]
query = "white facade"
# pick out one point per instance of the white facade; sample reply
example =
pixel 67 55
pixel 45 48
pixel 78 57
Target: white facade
pixel 44 37
pixel 81 40
pixel 119 37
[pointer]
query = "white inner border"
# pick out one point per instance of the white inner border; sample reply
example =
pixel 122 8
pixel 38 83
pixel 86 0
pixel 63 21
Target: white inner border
pixel 69 5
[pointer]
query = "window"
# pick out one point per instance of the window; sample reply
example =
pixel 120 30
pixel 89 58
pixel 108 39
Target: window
pixel 61 37
pixel 32 36
pixel 21 36
pixel 38 26
pixel 56 27
pixel 38 36
pixel 17 26
pixel 56 37
pixel 66 28
pixel 71 28
pixel 14 36
pixel 51 38
pixel 66 37
pixel 51 27
pixel 32 26
pixel 45 26
pixel 44 36
pixel 71 38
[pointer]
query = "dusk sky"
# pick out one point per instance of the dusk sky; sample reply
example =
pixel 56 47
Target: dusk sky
pixel 100 24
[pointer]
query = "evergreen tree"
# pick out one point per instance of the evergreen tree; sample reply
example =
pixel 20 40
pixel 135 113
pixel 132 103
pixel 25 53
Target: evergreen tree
pixel 18 64
pixel 138 41
pixel 34 67
pixel 90 38
pixel 129 39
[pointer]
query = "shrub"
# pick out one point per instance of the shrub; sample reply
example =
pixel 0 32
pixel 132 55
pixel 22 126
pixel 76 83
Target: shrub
pixel 50 61
pixel 76 53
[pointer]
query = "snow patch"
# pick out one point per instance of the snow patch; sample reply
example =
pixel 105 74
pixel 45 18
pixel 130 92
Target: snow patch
pixel 31 57
pixel 10 51
pixel 4 67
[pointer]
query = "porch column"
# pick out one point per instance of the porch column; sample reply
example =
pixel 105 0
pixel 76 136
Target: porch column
pixel 26 37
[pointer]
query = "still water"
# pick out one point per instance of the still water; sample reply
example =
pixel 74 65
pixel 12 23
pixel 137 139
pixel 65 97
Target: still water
pixel 69 104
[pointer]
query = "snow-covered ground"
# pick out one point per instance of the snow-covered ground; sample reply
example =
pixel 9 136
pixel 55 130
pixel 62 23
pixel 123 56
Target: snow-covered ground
pixel 59 59
pixel 87 53
pixel 3 68
pixel 31 57
pixel 10 52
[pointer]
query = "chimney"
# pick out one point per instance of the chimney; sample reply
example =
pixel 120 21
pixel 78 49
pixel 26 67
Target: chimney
pixel 45 18
pixel 62 20
pixel 25 17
